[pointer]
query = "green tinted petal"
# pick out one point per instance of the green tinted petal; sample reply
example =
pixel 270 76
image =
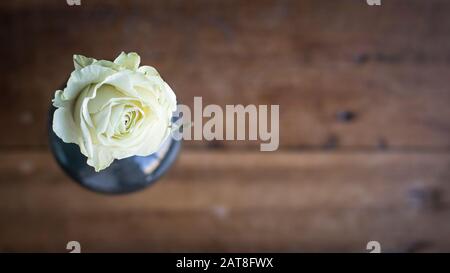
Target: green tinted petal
pixel 108 64
pixel 59 100
pixel 80 61
pixel 130 61
pixel 148 70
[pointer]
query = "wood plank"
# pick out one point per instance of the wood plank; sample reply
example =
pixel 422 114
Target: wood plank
pixel 313 58
pixel 244 231
pixel 240 201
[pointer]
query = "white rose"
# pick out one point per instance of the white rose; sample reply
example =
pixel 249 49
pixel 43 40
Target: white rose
pixel 113 110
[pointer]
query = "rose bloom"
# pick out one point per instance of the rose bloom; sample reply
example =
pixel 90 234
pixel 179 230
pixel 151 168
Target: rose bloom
pixel 113 110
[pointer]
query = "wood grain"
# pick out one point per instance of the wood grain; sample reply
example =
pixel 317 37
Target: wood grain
pixel 364 126
pixel 236 201
pixel 388 66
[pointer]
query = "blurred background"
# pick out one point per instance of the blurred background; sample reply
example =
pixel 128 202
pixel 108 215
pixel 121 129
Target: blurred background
pixel 364 126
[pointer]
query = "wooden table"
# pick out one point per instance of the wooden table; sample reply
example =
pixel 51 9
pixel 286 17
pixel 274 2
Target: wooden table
pixel 364 126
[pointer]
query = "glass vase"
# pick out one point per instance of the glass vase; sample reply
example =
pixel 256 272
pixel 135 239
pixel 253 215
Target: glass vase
pixel 122 176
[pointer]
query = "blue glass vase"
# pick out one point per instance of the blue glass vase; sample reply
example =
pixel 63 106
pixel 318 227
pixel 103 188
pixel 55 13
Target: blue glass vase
pixel 122 176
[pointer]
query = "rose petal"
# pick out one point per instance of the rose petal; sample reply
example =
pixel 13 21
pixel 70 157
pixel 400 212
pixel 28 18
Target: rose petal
pixel 64 125
pixel 101 159
pixel 101 120
pixel 130 61
pixel 80 61
pixel 104 94
pixel 148 70
pixel 79 79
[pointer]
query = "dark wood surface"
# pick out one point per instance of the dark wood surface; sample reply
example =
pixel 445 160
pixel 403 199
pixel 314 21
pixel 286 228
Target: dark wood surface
pixel 334 185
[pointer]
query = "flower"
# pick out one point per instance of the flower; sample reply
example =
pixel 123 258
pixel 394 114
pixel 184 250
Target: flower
pixel 113 110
